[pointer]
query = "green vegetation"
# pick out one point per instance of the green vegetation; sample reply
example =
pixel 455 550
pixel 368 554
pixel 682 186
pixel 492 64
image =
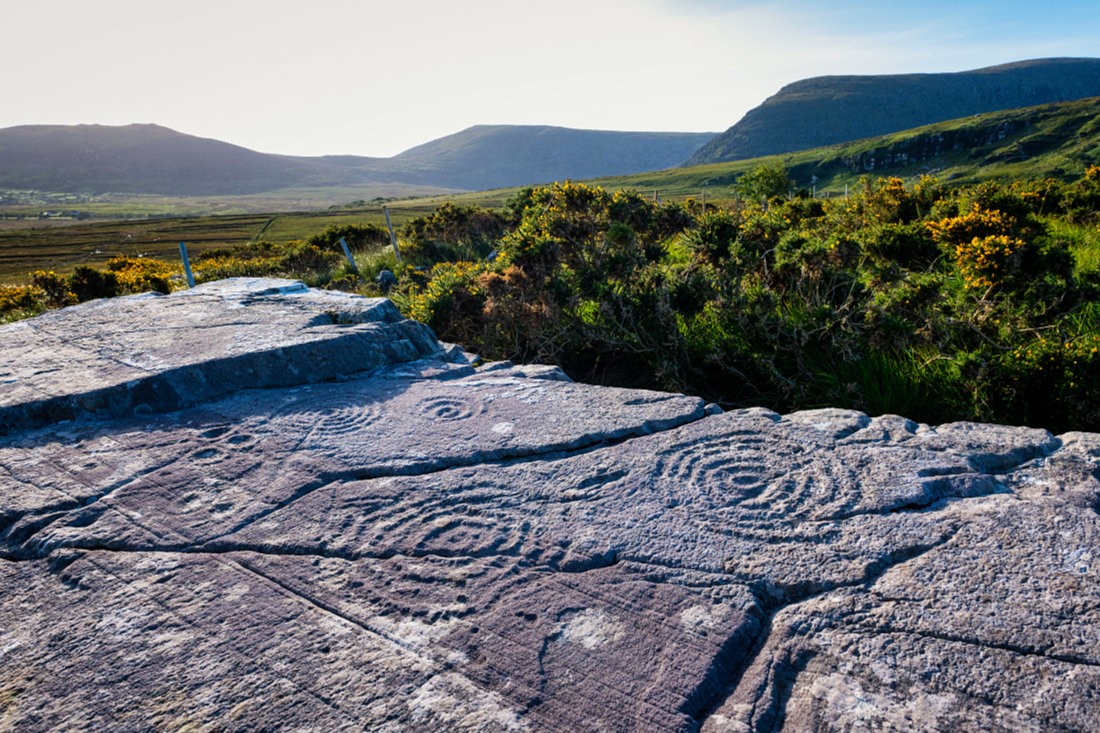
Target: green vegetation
pixel 765 183
pixel 1048 141
pixel 26 246
pixel 1058 141
pixel 936 302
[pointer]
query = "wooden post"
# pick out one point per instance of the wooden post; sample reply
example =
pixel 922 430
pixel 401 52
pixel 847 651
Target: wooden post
pixel 347 253
pixel 393 237
pixel 186 265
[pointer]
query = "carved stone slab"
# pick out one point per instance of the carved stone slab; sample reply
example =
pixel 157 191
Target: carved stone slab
pixel 254 506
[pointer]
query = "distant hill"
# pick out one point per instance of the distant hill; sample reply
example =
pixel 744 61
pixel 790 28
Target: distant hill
pixel 837 109
pixel 494 156
pixel 140 159
pixel 150 159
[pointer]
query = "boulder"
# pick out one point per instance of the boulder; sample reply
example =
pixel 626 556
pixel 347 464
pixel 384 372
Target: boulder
pixel 256 506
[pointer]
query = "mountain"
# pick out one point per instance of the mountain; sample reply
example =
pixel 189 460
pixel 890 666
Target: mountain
pixel 836 109
pixel 151 159
pixel 140 159
pixel 493 156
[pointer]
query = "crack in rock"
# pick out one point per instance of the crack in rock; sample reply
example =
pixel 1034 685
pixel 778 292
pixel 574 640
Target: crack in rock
pixel 769 688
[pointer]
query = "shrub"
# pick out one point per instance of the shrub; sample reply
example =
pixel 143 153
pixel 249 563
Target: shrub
pixel 219 266
pixel 142 274
pixel 906 246
pixel 54 287
pixel 20 301
pixel 1081 200
pixel 1048 381
pixel 978 222
pixel 87 283
pixel 989 260
pixel 302 258
pixel 715 235
pixel 452 233
pixel 451 300
pixel 359 237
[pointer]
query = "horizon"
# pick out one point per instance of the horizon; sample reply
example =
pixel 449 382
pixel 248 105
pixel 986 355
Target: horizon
pixel 277 78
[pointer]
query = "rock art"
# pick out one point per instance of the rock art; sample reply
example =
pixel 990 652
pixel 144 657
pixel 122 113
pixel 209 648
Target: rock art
pixel 255 506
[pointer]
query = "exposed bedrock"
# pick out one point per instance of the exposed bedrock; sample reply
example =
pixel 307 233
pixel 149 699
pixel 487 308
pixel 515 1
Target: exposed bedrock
pixel 254 506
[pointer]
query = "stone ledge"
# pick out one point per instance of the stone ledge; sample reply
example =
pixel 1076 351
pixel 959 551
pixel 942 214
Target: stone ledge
pixel 155 353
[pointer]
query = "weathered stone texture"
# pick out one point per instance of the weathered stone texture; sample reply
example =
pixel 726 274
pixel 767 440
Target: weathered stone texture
pixel 376 535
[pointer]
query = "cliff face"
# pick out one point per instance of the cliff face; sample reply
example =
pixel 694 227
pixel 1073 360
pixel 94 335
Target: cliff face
pixel 376 535
pixel 835 109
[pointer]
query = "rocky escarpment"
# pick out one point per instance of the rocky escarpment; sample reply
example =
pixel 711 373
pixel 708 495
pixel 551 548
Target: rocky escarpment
pixel 377 535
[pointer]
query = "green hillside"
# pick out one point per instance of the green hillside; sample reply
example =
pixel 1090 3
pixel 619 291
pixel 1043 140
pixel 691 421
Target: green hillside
pixel 834 109
pixel 1046 141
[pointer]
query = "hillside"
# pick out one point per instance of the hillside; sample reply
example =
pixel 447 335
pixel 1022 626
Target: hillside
pixel 150 159
pixel 835 109
pixel 1052 140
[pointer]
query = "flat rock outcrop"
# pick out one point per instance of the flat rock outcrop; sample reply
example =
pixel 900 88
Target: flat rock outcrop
pixel 254 506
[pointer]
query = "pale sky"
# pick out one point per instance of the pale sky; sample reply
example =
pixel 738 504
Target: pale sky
pixel 318 77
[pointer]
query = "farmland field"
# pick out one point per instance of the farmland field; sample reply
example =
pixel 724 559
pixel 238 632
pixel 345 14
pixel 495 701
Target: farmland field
pixel 62 245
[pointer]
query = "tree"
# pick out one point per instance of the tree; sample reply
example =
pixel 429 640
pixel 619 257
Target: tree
pixel 768 181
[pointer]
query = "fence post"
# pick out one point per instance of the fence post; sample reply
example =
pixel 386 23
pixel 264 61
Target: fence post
pixel 347 253
pixel 393 237
pixel 186 265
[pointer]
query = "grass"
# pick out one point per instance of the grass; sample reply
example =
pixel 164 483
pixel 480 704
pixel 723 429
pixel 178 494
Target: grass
pixel 1082 240
pixel 1057 141
pixel 63 246
pixel 122 205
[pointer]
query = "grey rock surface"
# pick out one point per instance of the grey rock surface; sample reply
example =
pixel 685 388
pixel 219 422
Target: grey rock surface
pixel 333 522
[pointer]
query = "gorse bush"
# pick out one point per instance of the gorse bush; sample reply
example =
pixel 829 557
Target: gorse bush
pixel 20 301
pixel 142 274
pixel 452 233
pixel 88 283
pixel 940 303
pixel 262 259
pixel 55 289
pixel 358 237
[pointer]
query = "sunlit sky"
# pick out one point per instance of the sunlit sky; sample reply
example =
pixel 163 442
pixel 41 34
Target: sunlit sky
pixel 316 77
